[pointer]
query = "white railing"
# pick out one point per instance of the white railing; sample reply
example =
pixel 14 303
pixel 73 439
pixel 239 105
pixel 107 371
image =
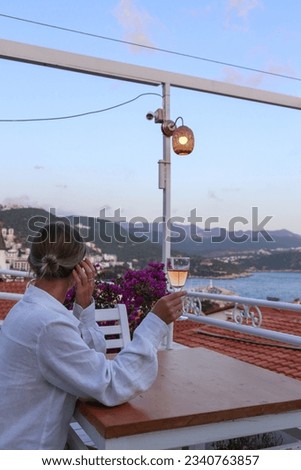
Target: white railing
pixel 246 300
pixel 14 273
pixel 195 298
pixel 10 296
pixel 193 311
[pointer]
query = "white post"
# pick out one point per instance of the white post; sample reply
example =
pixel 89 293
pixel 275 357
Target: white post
pixel 165 166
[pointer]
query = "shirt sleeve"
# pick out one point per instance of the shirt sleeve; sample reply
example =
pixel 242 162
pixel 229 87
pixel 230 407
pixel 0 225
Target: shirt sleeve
pixel 67 362
pixel 90 332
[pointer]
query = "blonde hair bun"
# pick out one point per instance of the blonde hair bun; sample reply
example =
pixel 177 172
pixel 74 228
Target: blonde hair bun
pixel 50 264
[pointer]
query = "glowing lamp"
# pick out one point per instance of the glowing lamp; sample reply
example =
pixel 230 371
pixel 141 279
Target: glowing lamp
pixel 182 140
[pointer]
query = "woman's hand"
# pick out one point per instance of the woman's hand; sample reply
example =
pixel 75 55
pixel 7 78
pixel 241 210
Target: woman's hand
pixel 170 307
pixel 84 276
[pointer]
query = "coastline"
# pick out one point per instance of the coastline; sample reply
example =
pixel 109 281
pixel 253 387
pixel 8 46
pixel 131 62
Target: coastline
pixel 245 274
pixel 225 276
pixel 283 285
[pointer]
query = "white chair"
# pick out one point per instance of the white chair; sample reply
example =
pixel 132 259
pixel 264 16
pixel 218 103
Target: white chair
pixel 117 334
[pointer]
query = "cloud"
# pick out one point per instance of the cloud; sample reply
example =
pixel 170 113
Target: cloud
pixel 255 79
pixel 231 190
pixel 39 167
pixel 19 201
pixel 232 75
pixel 237 12
pixel 212 195
pixel 243 7
pixel 282 69
pixel 61 186
pixel 136 23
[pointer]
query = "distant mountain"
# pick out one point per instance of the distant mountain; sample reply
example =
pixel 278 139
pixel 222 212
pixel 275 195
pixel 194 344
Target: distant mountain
pixel 108 236
pixel 218 241
pixel 130 241
pixel 19 220
pixel 193 240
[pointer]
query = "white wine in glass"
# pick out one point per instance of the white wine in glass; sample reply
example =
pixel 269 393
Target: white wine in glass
pixel 177 271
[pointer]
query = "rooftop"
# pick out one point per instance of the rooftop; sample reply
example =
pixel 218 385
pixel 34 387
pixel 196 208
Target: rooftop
pixel 269 354
pixel 16 287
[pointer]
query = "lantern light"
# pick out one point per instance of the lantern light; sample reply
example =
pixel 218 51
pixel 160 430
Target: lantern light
pixel 183 141
pixel 182 136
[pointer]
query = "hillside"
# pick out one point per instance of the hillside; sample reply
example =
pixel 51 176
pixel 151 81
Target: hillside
pixel 218 241
pixel 130 242
pixel 108 236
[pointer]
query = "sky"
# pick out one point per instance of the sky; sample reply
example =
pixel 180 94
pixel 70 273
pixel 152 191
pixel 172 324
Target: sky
pixel 247 155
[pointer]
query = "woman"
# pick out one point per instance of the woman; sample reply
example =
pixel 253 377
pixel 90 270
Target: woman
pixel 49 357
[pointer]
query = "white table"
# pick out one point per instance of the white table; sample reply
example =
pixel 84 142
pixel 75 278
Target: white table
pixel 199 396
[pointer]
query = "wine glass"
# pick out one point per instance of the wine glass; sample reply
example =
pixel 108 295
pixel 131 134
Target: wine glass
pixel 177 271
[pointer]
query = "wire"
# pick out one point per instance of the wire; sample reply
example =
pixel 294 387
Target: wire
pixel 72 116
pixel 158 49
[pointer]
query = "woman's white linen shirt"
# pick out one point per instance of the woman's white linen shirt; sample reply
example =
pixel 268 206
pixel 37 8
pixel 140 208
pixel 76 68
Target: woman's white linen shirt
pixel 50 357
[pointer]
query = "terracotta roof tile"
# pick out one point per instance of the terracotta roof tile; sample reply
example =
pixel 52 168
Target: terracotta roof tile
pixel 13 286
pixel 17 287
pixel 266 353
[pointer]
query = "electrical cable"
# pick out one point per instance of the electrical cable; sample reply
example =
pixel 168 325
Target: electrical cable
pixel 158 49
pixel 73 116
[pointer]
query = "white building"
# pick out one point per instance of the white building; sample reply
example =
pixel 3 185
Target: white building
pixel 3 264
pixel 12 256
pixel 8 237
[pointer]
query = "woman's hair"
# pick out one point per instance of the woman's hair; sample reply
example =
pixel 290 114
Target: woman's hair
pixel 56 250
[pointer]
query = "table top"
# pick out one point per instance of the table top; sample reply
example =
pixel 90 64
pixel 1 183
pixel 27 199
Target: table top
pixel 197 386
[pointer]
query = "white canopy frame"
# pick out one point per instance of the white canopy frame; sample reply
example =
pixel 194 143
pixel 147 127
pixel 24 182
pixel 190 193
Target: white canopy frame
pixel 46 57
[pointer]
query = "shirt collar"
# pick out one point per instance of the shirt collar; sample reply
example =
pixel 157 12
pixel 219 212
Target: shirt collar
pixel 36 295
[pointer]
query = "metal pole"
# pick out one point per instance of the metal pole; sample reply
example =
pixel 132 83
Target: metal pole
pixel 166 167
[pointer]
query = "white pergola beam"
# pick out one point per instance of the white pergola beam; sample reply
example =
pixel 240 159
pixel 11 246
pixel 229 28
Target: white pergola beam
pixel 37 55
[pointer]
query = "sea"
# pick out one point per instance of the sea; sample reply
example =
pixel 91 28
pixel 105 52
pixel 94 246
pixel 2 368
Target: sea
pixel 285 286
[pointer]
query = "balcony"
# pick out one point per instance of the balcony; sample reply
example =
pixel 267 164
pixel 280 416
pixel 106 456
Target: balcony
pixel 259 332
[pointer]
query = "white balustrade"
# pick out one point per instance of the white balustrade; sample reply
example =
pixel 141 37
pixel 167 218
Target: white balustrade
pixel 250 310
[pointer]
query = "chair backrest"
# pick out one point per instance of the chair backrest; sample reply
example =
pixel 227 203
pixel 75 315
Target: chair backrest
pixel 115 326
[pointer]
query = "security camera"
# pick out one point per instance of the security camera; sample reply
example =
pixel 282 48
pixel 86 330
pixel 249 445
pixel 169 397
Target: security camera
pixel 150 116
